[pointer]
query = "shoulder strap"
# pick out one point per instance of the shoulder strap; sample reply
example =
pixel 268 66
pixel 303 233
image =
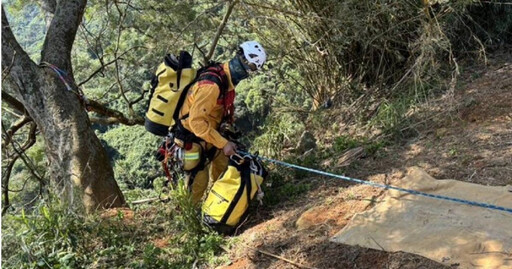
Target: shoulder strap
pixel 213 72
pixel 183 95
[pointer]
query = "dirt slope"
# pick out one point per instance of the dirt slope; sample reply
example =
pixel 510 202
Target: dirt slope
pixel 468 137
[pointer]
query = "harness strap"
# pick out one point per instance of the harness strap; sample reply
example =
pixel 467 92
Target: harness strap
pixel 214 73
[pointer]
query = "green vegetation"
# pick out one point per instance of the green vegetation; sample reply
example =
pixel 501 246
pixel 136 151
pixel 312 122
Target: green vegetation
pixel 132 152
pixel 344 142
pixel 353 65
pixel 282 187
pixel 54 236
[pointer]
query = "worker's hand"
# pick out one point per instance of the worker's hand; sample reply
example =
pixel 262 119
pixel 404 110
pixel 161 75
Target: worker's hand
pixel 229 149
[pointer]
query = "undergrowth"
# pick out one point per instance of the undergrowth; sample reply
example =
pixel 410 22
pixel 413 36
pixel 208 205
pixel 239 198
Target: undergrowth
pixel 169 235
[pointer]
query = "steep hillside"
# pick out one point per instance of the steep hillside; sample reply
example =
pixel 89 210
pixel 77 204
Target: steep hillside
pixel 464 135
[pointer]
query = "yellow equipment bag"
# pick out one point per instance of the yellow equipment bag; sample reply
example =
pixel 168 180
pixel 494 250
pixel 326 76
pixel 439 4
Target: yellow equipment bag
pixel 229 197
pixel 169 87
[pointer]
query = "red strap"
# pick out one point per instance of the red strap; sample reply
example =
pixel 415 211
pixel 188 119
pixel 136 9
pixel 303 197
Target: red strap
pixel 228 98
pixel 166 170
pixel 228 101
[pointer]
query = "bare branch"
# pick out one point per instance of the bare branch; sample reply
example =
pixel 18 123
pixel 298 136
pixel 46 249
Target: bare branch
pixel 182 31
pixel 10 49
pixel 122 17
pixel 20 150
pixel 5 185
pixel 6 175
pixel 201 51
pixel 138 99
pixel 85 32
pixel 121 88
pixel 117 120
pixel 7 70
pixel 9 99
pixel 9 134
pixel 138 9
pixel 103 65
pixel 22 186
pixel 112 116
pixel 219 31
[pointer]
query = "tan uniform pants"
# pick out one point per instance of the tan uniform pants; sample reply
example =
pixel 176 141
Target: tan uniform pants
pixel 197 184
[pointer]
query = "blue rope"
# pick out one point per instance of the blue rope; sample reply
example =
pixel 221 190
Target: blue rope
pixel 435 196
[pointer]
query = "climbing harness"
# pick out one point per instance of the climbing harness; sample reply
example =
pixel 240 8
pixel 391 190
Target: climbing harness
pixel 63 76
pixel 385 186
pixel 171 161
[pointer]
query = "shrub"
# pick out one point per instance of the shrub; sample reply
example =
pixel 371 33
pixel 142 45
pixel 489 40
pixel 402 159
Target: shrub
pixel 55 236
pixel 279 132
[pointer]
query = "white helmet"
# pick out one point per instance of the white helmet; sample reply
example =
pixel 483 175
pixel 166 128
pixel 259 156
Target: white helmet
pixel 254 53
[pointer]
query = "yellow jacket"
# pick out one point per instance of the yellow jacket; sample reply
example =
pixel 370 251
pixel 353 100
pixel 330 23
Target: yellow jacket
pixel 204 111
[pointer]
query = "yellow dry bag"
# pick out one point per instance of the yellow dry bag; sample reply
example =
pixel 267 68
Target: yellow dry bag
pixel 229 197
pixel 169 86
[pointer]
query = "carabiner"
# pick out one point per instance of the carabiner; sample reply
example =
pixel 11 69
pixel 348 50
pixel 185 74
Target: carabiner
pixel 240 160
pixel 253 167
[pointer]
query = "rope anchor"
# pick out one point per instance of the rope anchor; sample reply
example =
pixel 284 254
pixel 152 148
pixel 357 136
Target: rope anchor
pixel 64 77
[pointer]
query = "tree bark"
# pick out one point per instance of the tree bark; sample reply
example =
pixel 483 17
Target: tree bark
pixel 74 152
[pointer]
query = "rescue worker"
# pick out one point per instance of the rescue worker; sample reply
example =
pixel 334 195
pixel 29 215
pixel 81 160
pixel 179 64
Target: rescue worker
pixel 206 108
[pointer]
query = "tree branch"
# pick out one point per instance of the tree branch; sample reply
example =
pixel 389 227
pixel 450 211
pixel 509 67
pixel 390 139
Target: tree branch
pixel 138 99
pixel 219 31
pixel 48 5
pixel 182 31
pixel 112 116
pixel 6 71
pixel 62 32
pixel 9 134
pixel 103 65
pixel 14 59
pixel 122 16
pixel 31 140
pixel 6 175
pixel 9 99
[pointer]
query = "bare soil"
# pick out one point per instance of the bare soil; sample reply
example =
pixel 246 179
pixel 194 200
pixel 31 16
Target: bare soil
pixel 467 136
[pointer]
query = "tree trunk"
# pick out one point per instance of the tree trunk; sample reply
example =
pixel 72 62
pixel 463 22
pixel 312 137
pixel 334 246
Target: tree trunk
pixel 74 152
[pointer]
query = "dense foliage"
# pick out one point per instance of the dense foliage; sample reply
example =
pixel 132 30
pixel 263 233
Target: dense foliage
pixel 365 62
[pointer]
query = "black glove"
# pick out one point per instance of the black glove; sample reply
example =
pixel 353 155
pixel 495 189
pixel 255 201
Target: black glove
pixel 230 131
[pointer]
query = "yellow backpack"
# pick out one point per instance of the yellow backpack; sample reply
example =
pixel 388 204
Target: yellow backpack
pixel 228 200
pixel 169 86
